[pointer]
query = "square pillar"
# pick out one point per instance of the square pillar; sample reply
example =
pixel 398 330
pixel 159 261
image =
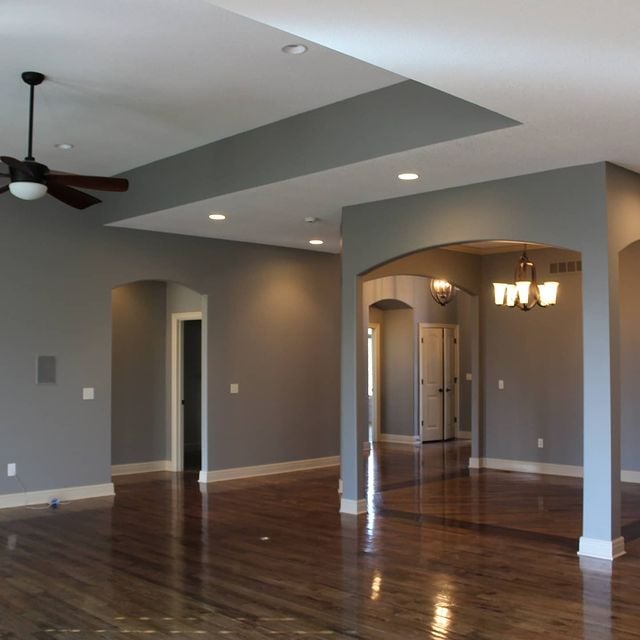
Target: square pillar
pixel 601 529
pixel 353 398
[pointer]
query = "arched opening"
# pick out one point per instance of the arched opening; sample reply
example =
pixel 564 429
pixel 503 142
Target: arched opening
pixel 520 378
pixel 158 398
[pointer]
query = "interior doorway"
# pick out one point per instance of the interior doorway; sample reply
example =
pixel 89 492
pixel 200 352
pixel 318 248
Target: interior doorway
pixel 192 394
pixel 186 391
pixel 439 360
pixel 373 381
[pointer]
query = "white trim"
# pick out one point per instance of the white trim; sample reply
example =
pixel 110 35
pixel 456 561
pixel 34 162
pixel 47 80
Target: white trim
pixel 9 500
pixel 601 549
pixel 393 438
pixel 377 402
pixel 353 507
pixel 140 467
pixel 235 473
pixel 630 476
pixel 177 454
pixel 544 468
pixel 464 435
pixel 526 466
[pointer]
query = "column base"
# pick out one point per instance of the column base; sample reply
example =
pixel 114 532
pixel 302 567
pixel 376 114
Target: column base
pixel 601 549
pixel 353 507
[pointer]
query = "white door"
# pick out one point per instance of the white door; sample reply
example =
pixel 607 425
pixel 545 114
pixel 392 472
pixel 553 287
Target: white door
pixel 431 347
pixel 449 366
pixel 438 379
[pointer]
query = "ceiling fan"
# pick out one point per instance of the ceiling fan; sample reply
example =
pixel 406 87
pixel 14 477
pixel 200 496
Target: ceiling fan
pixel 31 180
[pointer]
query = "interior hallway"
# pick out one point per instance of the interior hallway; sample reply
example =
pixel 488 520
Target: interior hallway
pixel 443 553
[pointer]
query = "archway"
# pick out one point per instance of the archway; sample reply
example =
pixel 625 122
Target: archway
pixel 159 395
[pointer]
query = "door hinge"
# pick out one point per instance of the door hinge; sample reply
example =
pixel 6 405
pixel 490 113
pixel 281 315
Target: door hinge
pixel 455 341
pixel 422 422
pixel 421 380
pixel 455 381
pixel 422 340
pixel 455 420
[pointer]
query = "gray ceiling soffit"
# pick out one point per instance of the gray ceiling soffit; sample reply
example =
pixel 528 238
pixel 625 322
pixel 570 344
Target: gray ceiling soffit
pixel 404 116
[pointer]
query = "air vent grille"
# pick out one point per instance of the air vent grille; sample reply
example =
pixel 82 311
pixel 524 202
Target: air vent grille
pixel 571 266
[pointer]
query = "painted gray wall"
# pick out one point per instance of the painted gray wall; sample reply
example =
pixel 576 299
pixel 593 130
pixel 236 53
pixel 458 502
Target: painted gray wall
pixel 181 299
pixel 397 375
pixel 273 327
pixel 138 373
pixel 538 354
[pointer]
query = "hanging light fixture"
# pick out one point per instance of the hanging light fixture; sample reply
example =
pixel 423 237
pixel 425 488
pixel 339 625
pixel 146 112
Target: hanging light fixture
pixel 525 293
pixel 442 291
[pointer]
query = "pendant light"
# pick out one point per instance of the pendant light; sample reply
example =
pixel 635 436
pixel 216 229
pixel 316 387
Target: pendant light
pixel 525 293
pixel 442 291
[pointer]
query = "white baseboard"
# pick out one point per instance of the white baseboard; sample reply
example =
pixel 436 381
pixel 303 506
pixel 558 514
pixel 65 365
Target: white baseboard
pixel 464 435
pixel 235 473
pixel 353 507
pixel 544 468
pixel 393 438
pixel 526 466
pixel 601 549
pixel 140 467
pixel 9 500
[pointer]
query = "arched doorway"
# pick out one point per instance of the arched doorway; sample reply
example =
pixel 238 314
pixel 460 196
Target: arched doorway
pixel 158 421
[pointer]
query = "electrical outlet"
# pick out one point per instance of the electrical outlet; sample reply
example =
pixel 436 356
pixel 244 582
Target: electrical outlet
pixel 501 384
pixel 11 469
pixel 88 393
pixel 540 443
pixel 469 377
pixel 340 486
pixel 234 387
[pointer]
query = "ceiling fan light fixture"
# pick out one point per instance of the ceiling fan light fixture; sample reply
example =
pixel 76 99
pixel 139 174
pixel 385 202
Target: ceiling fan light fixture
pixel 28 190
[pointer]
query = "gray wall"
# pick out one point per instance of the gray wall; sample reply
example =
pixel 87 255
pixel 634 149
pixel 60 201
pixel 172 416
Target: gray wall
pixel 138 418
pixel 273 327
pixel 397 372
pixel 538 354
pixel 630 355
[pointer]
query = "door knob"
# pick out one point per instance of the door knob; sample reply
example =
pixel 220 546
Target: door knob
pixel 440 390
pixel 448 390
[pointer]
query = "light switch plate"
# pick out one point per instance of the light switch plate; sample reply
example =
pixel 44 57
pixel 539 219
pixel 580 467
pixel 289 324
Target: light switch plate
pixel 11 469
pixel 501 384
pixel 469 377
pixel 540 443
pixel 234 387
pixel 88 393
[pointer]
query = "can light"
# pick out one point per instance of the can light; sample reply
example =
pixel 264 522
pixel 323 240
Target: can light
pixel 217 216
pixel 408 176
pixel 316 241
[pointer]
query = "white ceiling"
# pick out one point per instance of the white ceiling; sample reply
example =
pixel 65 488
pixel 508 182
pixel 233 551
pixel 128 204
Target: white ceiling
pixel 568 70
pixel 132 81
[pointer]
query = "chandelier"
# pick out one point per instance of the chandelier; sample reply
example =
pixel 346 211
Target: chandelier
pixel 442 291
pixel 525 293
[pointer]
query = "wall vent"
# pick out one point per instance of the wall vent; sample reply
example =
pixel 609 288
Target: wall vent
pixel 571 266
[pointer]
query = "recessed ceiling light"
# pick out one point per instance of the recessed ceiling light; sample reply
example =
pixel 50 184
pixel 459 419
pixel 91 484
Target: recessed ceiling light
pixel 217 216
pixel 65 146
pixel 408 176
pixel 311 219
pixel 295 49
pixel 316 241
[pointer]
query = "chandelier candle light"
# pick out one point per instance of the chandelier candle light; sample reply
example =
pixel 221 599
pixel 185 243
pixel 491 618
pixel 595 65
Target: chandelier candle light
pixel 442 291
pixel 525 293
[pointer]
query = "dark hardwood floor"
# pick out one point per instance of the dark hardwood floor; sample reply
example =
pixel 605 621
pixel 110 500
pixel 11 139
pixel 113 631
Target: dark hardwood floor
pixel 443 553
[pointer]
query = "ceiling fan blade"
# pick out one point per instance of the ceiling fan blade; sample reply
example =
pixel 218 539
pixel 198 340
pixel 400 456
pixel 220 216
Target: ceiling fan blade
pixel 14 163
pixel 72 197
pixel 88 182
